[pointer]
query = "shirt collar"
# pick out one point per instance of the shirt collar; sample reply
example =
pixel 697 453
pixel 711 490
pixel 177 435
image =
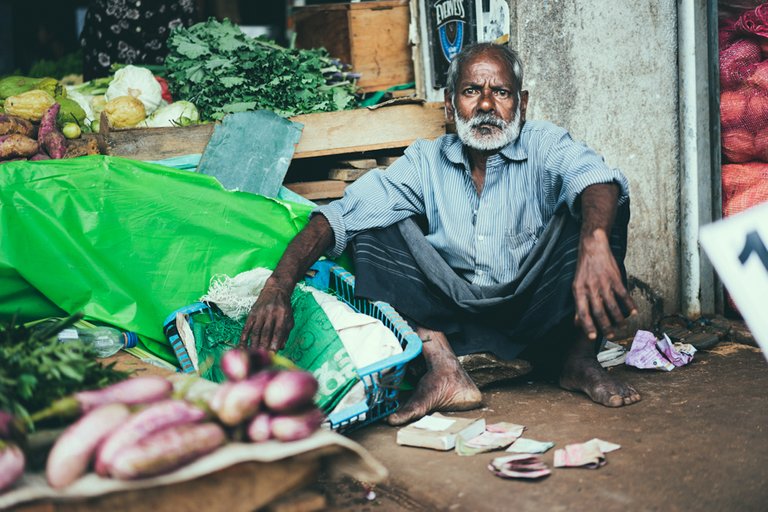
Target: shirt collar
pixel 453 149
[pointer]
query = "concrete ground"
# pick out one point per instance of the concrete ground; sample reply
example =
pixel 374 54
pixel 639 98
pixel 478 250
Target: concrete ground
pixel 696 442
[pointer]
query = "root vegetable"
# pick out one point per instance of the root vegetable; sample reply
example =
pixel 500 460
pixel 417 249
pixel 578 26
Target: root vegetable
pixel 260 427
pixel 17 146
pixel 156 417
pixel 235 364
pixel 166 450
pixel 39 156
pixel 55 144
pixel 135 391
pixel 48 122
pixel 73 450
pixel 12 464
pixel 296 426
pixel 756 115
pixel 290 390
pixel 244 398
pixel 12 124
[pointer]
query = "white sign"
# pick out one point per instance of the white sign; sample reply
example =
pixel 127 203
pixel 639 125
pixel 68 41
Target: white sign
pixel 738 248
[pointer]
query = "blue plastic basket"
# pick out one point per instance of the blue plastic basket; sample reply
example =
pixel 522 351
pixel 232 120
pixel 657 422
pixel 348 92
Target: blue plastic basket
pixel 381 380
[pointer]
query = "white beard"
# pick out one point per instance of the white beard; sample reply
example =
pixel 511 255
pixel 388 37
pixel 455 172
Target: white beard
pixel 483 138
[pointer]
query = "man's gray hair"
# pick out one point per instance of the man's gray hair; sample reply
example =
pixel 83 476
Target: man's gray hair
pixel 507 53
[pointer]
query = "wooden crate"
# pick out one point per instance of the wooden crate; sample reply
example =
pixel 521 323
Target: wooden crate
pixel 371 36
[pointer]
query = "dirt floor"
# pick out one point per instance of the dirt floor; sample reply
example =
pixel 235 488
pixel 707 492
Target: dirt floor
pixel 696 442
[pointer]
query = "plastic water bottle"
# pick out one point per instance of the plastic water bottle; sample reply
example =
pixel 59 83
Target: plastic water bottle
pixel 106 341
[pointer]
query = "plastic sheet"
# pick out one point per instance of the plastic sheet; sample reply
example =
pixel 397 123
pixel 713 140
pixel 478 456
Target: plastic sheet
pixel 126 242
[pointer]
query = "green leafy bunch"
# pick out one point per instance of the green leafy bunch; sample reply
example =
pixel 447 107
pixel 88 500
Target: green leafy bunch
pixel 221 70
pixel 34 372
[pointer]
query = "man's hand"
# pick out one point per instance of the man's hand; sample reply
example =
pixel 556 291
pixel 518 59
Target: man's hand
pixel 271 319
pixel 598 289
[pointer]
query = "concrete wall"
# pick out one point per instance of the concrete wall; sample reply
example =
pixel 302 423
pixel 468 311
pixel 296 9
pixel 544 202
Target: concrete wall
pixel 607 71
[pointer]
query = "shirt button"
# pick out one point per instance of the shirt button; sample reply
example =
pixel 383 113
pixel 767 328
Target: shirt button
pixel 138 4
pixel 479 272
pixel 481 238
pixel 138 29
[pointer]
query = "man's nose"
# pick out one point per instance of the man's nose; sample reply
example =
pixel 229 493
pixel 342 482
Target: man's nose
pixel 486 103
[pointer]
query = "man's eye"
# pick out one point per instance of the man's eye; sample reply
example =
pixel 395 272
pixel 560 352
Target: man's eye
pixel 502 93
pixel 470 90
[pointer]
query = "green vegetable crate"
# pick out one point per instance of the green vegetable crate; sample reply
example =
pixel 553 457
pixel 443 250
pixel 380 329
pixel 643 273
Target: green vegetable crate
pixel 381 380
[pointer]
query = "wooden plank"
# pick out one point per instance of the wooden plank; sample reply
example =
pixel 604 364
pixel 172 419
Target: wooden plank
pixel 351 131
pixel 386 161
pixel 325 133
pixel 322 189
pixel 359 163
pixel 346 174
pixel 157 143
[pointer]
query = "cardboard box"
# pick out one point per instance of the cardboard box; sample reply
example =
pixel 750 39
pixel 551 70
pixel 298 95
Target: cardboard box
pixel 371 36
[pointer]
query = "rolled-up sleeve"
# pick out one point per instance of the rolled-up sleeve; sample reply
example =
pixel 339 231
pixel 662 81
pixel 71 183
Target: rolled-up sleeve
pixel 572 167
pixel 377 199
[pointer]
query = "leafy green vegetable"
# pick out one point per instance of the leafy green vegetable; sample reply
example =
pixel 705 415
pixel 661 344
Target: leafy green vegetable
pixel 222 70
pixel 70 64
pixel 36 370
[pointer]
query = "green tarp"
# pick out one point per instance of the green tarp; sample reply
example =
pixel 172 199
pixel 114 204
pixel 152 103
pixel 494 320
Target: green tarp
pixel 127 242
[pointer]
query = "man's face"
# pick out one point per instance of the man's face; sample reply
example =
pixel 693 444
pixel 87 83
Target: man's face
pixel 487 108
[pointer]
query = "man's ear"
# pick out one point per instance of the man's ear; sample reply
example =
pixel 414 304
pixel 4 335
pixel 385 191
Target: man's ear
pixel 523 104
pixel 450 114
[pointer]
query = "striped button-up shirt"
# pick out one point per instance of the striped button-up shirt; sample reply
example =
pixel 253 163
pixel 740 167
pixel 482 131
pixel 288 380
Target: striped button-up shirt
pixel 484 237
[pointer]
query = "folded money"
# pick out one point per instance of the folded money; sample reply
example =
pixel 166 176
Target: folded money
pixel 588 455
pixel 524 445
pixel 521 465
pixel 495 437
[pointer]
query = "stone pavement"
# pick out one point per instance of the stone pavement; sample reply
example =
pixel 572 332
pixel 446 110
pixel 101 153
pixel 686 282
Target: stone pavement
pixel 696 442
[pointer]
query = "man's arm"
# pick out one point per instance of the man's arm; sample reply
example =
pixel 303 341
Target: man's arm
pixel 271 319
pixel 597 286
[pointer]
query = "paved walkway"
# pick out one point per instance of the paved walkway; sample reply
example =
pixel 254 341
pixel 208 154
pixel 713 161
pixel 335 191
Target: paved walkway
pixel 696 442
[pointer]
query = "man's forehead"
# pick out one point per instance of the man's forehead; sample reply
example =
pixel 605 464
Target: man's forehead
pixel 487 63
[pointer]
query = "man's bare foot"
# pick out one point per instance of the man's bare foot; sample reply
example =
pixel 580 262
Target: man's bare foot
pixel 583 373
pixel 444 387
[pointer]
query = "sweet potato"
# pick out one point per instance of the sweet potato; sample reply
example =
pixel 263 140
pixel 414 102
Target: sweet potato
pixel 134 391
pixel 72 452
pixel 17 146
pixel 296 426
pixel 166 450
pixel 244 398
pixel 12 464
pixel 290 390
pixel 39 156
pixel 156 417
pixel 13 124
pixel 48 122
pixel 55 144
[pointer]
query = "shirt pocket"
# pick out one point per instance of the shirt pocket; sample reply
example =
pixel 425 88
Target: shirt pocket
pixel 519 239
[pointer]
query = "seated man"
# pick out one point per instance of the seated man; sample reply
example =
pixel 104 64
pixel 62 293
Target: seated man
pixel 522 230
